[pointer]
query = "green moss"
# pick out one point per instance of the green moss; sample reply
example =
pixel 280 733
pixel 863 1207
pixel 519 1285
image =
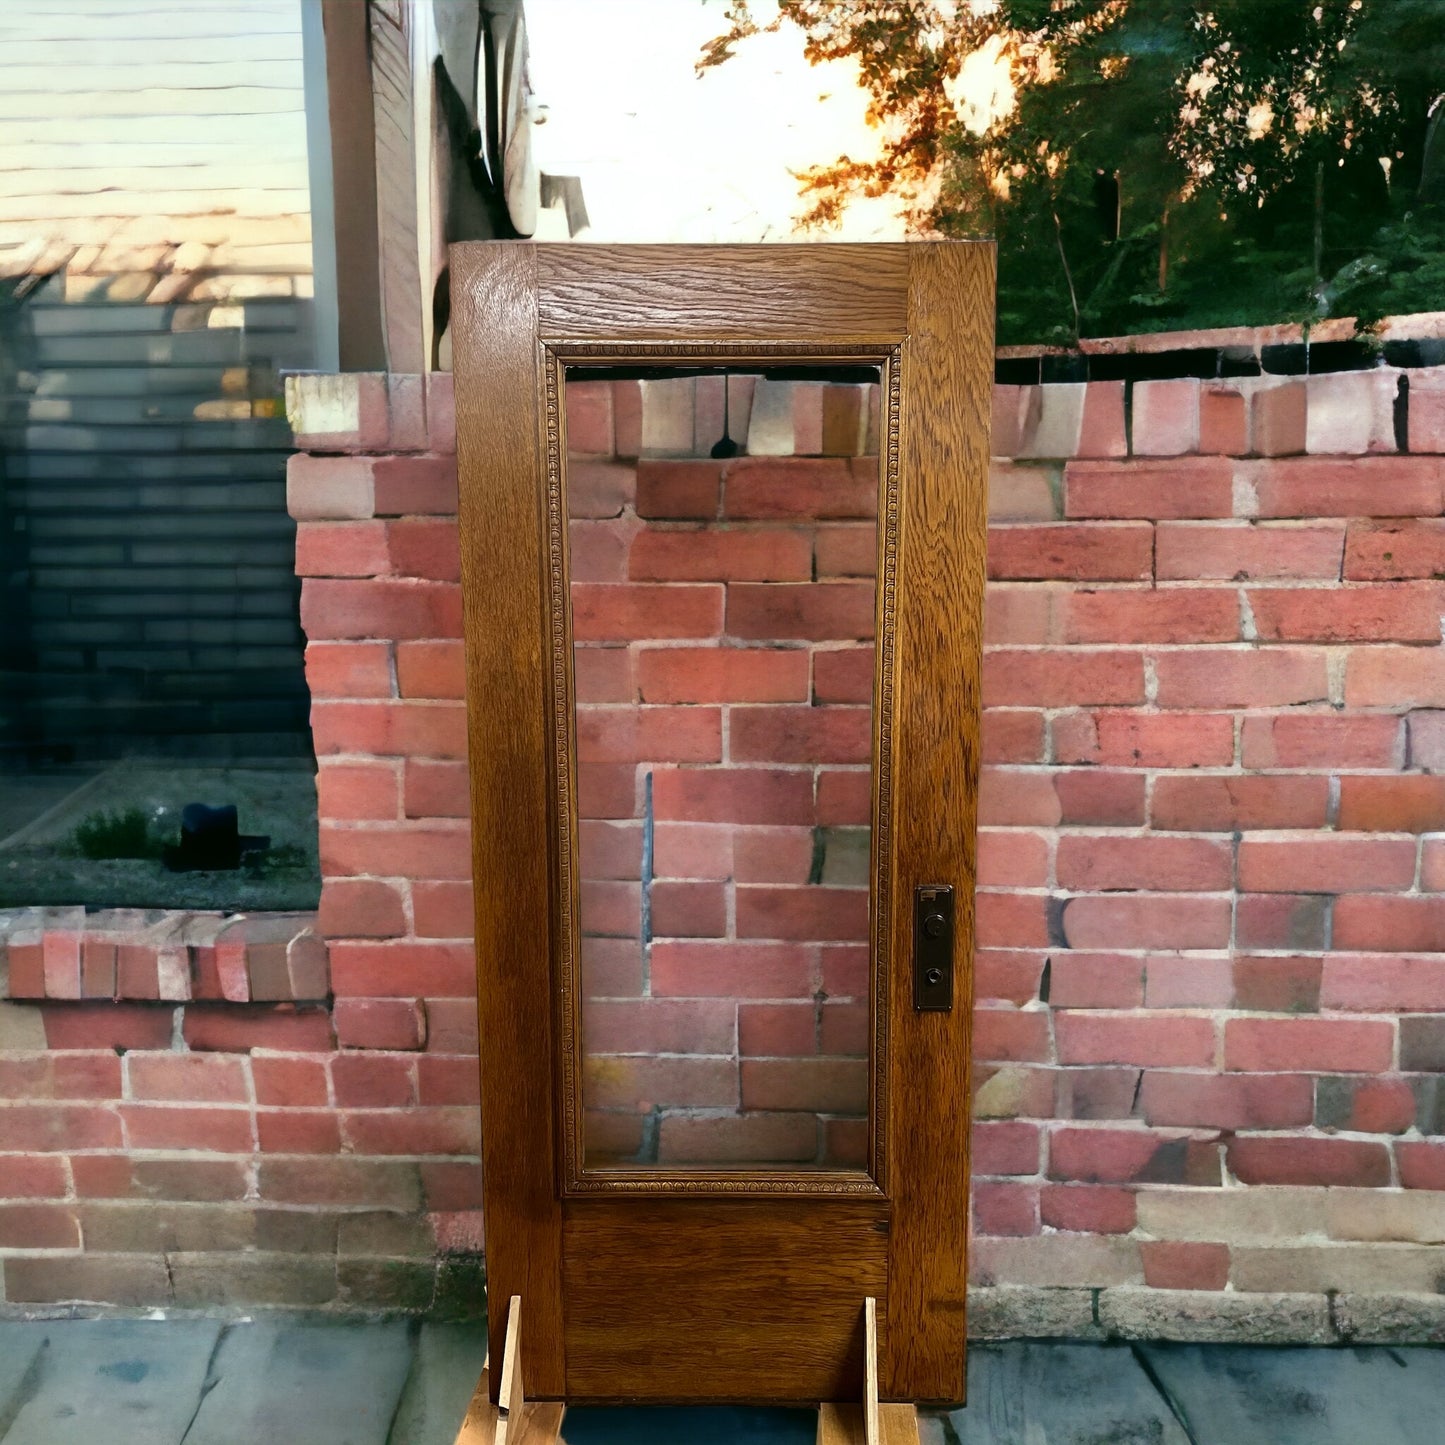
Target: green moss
pixel 124 833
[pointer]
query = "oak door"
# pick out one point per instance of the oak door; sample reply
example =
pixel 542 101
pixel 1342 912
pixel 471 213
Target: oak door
pixel 723 526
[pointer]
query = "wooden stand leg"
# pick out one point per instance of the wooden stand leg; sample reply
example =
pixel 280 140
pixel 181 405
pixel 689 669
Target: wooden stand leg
pixel 870 1423
pixel 512 1421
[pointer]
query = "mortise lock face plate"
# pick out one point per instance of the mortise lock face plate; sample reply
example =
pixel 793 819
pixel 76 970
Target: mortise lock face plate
pixel 933 947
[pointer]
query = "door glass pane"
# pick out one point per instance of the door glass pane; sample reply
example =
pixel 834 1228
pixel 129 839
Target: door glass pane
pixel 723 542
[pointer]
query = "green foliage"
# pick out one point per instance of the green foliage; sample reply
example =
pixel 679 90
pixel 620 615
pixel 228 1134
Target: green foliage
pixel 124 833
pixel 1166 165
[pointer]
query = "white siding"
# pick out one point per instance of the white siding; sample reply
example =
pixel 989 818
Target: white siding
pixel 161 137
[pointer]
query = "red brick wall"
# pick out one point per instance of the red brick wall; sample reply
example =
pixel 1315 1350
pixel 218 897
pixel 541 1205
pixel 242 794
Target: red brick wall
pixel 724 670
pixel 1211 974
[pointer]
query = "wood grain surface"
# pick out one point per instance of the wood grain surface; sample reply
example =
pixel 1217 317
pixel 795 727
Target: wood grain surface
pixel 500 463
pixel 764 293
pixel 947 383
pixel 720 1299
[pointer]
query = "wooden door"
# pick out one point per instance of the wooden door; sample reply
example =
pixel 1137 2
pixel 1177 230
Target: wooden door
pixel 653 1262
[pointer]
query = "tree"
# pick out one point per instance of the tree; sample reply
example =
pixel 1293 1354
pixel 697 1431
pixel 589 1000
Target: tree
pixel 1152 163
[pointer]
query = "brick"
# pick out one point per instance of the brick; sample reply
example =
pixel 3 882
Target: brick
pixel 1011 920
pixel 1011 1091
pixel 377 1183
pixel 176 1126
pixel 289 1082
pixel 1106 1093
pixel 778 488
pixel 1072 551
pixel 381 607
pixel 452 1186
pixel 649 734
pixel 1223 421
pixel 688 909
pixel 1214 678
pixel 113 1279
pixel 610 907
pixel 1102 430
pixel 1422 1043
pixel 1232 1216
pixel 1393 1216
pixel 805 914
pixel 603 674
pixel 1052 679
pixel 843 674
pixel 810 611
pixel 442 1079
pixel 722 674
pixel 342 549
pixel 1320 864
pixel 1351 412
pixel 1085 1209
pixel 1422 1165
pixel 1057 1261
pixel 298 1131
pixel 607 790
pixel 39 1176
pixel 199 1078
pixel 1166 417
pixel 845 550
pixel 60 1076
pixel 1011 1035
pixel 365 969
pixel 1226 804
pixel 1284 1160
pixel 1014 797
pixel 744 555
pixel 732 970
pixel 1148 1041
pixel 1274 984
pixel 1324 741
pixel 356 791
pixel 772 855
pixel 598 489
pixel 1011 735
pixel 588 410
pixel 1281 920
pixel 1365 1106
pixel 657 1026
pixel 1008 858
pixel 1114 1156
pixel 229 1028
pixel 697 850
pixel 373 1081
pixel 434 1130
pixel 620 612
pixel 1144 740
pixel 380 1023
pixel 118 1176
pixel 597 551
pixel 1226 1101
pixel 328 487
pixel 1180 1264
pixel 1022 493
pixel 1132 615
pixel 1345 487
pixel 1278 412
pixel 430 669
pixel 678 490
pixel 1426 740
pixel 432 789
pixel 1005 1209
pixel 742 1139
pixel 676 1082
pixel 799 735
pixel 1283 1045
pixel 1018 614
pixel 609 849
pixel 777 1030
pixel 1383 983
pixel 348 669
pixel 442 908
pixel 1392 805
pixel 1101 863
pixel 1395 677
pixel 1392 612
pixel 1392 551
pixel 1196 487
pixel 396 852
pixel 1096 980
pixel 1006 1147
pixel 732 795
pixel 1248 551
pixel 407 486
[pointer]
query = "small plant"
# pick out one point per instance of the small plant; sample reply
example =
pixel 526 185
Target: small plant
pixel 125 833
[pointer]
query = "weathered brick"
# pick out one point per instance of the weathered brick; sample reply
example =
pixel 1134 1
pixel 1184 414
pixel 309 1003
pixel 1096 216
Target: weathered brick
pixel 1179 1040
pixel 1156 921
pixel 1345 487
pixel 1226 1101
pixel 1215 678
pixel 1120 614
pixel 1308 1160
pixel 774 555
pixel 1144 740
pixel 1072 551
pixel 1248 551
pixel 1323 864
pixel 1362 612
pixel 1197 487
pixel 1287 1045
pixel 1326 741
pixel 1226 804
pixel 1393 550
pixel 1153 864
pixel 620 612
pixel 1392 805
pixel 1039 678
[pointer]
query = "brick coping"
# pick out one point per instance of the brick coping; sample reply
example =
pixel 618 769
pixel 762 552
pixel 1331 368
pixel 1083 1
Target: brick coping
pixel 162 956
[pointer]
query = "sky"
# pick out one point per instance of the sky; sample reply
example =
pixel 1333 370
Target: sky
pixel 664 155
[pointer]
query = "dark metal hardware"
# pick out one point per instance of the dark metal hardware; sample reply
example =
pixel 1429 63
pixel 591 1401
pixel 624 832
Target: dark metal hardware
pixel 933 947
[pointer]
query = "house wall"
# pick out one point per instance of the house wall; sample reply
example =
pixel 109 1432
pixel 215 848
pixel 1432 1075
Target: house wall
pixel 1210 991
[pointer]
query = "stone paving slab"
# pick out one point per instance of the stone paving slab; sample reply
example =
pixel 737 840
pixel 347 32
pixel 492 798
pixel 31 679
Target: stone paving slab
pixel 120 1382
pixel 1032 1393
pixel 444 1372
pixel 1234 1395
pixel 315 1384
